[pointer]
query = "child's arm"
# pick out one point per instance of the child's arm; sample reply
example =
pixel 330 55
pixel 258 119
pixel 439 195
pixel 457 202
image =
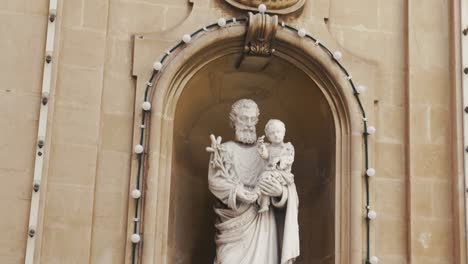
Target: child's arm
pixel 264 152
pixel 261 147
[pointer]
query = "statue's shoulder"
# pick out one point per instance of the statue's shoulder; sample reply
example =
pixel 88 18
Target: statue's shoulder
pixel 289 147
pixel 236 146
pixel 228 144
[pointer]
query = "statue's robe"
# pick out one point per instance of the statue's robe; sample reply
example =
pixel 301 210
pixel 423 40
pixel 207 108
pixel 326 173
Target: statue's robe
pixel 243 235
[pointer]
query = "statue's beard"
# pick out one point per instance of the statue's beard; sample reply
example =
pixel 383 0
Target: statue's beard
pixel 246 135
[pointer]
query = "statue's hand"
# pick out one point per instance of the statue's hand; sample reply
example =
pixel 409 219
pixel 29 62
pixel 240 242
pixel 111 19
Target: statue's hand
pixel 246 196
pixel 271 188
pixel 261 140
pixel 265 177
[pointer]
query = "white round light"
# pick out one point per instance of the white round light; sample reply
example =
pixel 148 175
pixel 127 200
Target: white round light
pixel 138 149
pixel 370 130
pixel 157 66
pixel 222 22
pixel 262 8
pixel 186 38
pixel 371 215
pixel 135 194
pixel 301 32
pixel 374 260
pixel 370 172
pixel 361 89
pixel 337 55
pixel 135 238
pixel 146 106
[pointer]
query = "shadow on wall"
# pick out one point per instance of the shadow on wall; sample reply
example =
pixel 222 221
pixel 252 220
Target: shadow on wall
pixel 283 92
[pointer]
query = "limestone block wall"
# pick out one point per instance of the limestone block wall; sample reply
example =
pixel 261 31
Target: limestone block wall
pixel 405 53
pixel 22 43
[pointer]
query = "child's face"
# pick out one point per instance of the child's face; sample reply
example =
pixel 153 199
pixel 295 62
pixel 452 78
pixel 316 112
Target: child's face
pixel 276 134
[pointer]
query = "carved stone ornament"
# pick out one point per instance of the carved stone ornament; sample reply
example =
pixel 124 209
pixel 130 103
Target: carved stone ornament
pixel 260 35
pixel 273 6
pixel 259 40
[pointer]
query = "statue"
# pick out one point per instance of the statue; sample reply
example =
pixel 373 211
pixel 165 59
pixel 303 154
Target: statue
pixel 279 156
pixel 242 175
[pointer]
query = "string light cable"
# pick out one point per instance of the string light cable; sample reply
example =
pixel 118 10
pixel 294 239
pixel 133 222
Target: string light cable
pixel 49 60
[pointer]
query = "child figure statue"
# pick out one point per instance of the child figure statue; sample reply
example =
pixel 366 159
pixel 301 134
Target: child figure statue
pixel 279 157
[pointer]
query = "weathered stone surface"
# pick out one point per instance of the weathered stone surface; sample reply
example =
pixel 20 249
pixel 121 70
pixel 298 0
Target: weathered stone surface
pixel 402 52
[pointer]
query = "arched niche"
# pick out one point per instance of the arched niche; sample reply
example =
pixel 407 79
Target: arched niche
pixel 311 96
pixel 282 91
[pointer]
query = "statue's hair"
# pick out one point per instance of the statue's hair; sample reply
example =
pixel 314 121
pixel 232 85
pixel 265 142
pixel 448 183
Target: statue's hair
pixel 272 123
pixel 239 105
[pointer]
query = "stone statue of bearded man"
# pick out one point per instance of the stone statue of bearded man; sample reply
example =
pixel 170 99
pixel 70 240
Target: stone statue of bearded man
pixel 245 236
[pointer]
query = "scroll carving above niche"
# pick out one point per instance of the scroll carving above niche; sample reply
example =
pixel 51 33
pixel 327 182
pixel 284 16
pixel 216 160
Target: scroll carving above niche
pixel 273 6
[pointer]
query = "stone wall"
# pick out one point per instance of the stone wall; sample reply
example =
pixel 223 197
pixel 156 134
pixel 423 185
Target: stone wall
pixel 23 33
pixel 404 52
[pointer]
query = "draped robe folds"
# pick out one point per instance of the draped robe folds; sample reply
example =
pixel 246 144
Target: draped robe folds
pixel 243 235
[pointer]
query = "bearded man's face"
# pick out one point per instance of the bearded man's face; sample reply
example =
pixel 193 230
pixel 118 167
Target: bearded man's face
pixel 245 125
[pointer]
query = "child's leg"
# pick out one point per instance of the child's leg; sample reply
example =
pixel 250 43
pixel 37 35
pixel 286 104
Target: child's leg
pixel 263 200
